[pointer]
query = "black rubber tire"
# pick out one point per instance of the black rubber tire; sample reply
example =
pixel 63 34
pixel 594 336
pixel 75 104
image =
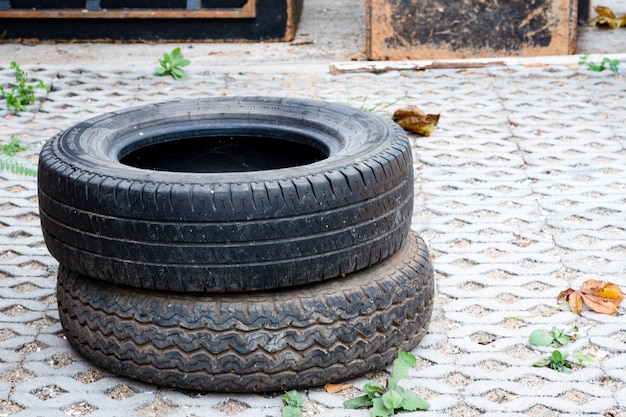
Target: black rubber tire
pixel 263 341
pixel 226 231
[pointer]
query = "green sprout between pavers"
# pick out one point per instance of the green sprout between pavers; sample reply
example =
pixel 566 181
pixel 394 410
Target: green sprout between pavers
pixel 559 361
pixel 601 66
pixel 11 164
pixel 555 337
pixel 384 400
pixel 171 65
pixel 22 93
pixel 293 402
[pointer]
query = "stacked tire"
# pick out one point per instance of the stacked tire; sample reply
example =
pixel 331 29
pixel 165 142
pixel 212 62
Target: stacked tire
pixel 236 244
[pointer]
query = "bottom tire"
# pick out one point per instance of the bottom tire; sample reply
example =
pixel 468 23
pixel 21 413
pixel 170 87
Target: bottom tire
pixel 250 342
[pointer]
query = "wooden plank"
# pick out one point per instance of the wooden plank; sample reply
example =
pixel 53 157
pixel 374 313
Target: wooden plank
pixel 429 64
pixel 247 11
pixel 442 29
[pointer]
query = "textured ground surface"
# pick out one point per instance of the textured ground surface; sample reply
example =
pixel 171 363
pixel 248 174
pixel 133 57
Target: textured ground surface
pixel 520 193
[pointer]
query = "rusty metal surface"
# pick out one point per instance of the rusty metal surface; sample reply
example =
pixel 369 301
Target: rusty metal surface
pixel 424 29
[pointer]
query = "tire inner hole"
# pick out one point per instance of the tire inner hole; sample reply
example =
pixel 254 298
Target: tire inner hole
pixel 228 153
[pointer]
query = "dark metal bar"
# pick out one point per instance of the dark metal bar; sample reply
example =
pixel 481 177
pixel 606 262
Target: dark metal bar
pixel 193 4
pixel 248 11
pixel 93 5
pixel 94 11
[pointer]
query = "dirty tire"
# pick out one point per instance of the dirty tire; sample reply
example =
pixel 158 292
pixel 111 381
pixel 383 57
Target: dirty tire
pixel 262 341
pixel 114 209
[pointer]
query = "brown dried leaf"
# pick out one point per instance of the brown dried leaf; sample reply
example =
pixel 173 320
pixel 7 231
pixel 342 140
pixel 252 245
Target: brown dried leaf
pixel 564 294
pixel 572 298
pixel 611 291
pixel 408 112
pixel 415 120
pixel 598 304
pixel 604 12
pixel 575 302
pixel 601 297
pixel 607 17
pixel 335 388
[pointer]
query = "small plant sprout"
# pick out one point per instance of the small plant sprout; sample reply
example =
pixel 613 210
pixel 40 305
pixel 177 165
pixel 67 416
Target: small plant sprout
pixel 555 337
pixel 581 358
pixel 22 93
pixel 293 402
pixel 592 66
pixel 14 146
pixel 385 400
pixel 16 166
pixel 171 65
pixel 11 164
pixel 556 361
pixel 378 108
pixel 559 361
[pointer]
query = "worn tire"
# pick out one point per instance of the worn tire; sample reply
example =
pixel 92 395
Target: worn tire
pixel 162 227
pixel 263 341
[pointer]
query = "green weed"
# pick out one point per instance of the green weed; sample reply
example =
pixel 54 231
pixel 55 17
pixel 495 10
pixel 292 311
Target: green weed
pixel 581 358
pixel 293 402
pixel 16 166
pixel 378 108
pixel 23 92
pixel 559 361
pixel 11 164
pixel 171 65
pixel 384 400
pixel 555 337
pixel 592 66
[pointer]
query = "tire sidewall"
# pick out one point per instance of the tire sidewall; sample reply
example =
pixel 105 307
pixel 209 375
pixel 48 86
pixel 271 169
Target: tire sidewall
pixel 351 136
pixel 226 231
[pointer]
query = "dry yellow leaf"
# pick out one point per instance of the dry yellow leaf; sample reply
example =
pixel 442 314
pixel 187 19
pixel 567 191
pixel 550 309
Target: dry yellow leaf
pixel 413 119
pixel 601 297
pixel 335 388
pixel 607 17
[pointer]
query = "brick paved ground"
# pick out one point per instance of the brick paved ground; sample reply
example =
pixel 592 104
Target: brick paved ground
pixel 520 193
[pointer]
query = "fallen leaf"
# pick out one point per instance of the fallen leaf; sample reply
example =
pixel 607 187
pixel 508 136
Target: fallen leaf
pixel 335 388
pixel 604 12
pixel 600 297
pixel 415 120
pixel 607 17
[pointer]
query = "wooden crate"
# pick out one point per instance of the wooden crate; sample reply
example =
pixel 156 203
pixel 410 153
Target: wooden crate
pixel 439 29
pixel 149 20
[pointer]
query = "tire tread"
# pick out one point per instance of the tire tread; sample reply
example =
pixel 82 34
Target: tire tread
pixel 322 333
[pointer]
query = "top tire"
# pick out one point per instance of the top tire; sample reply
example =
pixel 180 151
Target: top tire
pixel 226 194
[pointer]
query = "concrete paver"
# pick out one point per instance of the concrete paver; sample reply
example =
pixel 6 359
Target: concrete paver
pixel 520 193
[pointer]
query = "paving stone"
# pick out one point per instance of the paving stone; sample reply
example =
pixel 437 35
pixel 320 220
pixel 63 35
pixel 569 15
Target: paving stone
pixel 520 193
